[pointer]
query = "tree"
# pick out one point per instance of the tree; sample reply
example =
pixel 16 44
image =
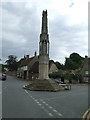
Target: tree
pixel 74 61
pixel 59 65
pixel 75 57
pixel 11 62
pixel 69 64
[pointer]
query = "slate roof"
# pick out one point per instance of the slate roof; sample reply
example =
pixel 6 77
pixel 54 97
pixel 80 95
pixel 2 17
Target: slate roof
pixel 35 67
pixel 32 63
pixel 25 62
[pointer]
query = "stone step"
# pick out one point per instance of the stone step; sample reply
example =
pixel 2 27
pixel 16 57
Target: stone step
pixel 43 85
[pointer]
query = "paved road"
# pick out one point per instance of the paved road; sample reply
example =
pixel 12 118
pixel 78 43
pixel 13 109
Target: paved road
pixel 21 103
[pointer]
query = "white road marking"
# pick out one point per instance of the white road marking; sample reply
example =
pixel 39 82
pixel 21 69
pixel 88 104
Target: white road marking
pixel 50 107
pixel 33 98
pixel 60 114
pixel 43 107
pixel 26 91
pixel 36 100
pixel 39 104
pixel 50 114
pixel 44 102
pixel 55 110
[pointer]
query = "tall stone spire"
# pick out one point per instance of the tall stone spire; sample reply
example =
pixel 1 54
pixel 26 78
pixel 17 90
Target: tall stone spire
pixel 43 82
pixel 44 29
pixel 44 37
pixel 44 49
pixel 44 22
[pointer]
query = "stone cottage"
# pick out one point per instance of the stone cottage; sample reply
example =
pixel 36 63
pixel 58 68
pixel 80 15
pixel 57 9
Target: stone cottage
pixel 85 69
pixel 29 67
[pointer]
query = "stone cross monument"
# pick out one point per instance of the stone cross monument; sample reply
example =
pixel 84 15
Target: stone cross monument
pixel 44 49
pixel 43 82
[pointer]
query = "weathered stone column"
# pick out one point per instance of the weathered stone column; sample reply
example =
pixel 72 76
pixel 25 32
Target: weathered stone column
pixel 43 49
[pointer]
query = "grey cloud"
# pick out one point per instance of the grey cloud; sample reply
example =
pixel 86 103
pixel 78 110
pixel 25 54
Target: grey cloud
pixel 26 25
pixel 27 29
pixel 67 39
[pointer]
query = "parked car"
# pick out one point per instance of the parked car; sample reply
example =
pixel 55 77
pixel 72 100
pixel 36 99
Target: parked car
pixel 57 81
pixel 3 76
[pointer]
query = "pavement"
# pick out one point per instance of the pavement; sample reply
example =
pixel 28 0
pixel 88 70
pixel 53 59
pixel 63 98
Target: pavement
pixel 21 103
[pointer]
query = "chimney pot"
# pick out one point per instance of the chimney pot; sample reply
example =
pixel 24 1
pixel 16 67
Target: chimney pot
pixel 35 54
pixel 27 56
pixel 24 57
pixel 86 56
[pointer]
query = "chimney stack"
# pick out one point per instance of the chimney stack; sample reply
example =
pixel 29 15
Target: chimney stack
pixel 35 54
pixel 86 56
pixel 24 57
pixel 27 56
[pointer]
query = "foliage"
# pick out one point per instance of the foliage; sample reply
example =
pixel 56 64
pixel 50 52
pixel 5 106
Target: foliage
pixel 68 75
pixel 74 61
pixel 11 62
pixel 55 75
pixel 75 57
pixel 69 64
pixel 59 65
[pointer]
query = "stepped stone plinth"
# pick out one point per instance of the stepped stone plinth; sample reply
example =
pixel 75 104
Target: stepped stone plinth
pixel 43 85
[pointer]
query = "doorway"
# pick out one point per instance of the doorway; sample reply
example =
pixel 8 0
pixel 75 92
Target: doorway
pixel 25 74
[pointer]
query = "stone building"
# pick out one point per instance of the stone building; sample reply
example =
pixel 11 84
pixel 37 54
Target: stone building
pixel 25 65
pixel 85 69
pixel 29 67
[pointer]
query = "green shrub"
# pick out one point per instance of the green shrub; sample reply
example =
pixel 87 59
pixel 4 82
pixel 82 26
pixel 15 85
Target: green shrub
pixel 67 75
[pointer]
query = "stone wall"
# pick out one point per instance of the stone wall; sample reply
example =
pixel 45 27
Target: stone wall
pixel 11 73
pixel 53 68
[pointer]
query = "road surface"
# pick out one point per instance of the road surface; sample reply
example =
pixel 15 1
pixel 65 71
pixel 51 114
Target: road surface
pixel 20 103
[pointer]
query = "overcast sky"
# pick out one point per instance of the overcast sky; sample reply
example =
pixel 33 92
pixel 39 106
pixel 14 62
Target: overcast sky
pixel 67 24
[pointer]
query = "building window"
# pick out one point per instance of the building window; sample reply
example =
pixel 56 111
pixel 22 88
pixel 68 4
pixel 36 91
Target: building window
pixel 86 72
pixel 86 79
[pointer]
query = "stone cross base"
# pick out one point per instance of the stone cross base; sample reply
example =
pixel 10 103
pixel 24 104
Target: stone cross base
pixel 43 85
